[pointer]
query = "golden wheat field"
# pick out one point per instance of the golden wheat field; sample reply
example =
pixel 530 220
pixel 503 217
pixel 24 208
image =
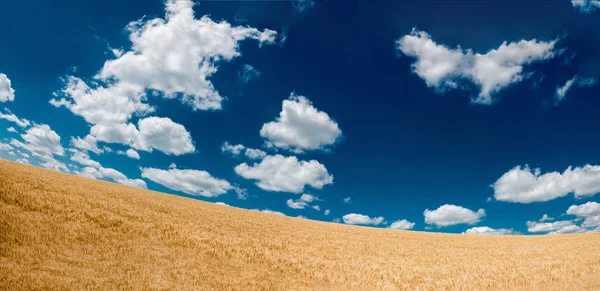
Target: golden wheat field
pixel 63 232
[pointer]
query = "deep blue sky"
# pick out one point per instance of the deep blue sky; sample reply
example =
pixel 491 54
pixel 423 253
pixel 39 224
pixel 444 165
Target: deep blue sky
pixel 405 147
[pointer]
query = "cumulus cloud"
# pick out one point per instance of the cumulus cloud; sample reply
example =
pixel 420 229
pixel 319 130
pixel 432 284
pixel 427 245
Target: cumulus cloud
pixel 557 227
pixel 7 93
pixel 23 161
pixel 247 73
pixel 302 202
pixel 590 211
pixel 233 149
pixel 545 217
pixel 13 118
pixel 327 212
pixel 402 224
pixel 159 133
pixel 444 68
pixel 192 182
pixel 268 211
pixel 88 143
pixel 586 6
pixel 11 129
pixel 111 174
pixel 42 142
pixel 132 154
pixel 485 230
pixel 360 219
pixel 83 158
pixel 254 154
pixel 577 81
pixel 447 215
pixel 523 185
pixel 301 127
pixel 221 203
pixel 286 174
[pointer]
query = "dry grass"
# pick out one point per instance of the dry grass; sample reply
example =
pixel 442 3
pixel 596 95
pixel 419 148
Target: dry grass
pixel 60 231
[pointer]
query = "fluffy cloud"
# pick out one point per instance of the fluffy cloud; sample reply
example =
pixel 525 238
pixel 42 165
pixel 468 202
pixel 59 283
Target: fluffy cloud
pixel 561 92
pixel 83 158
pixel 177 55
pixel 132 154
pixel 13 118
pixel 233 149
pixel 11 129
pixel 41 140
pixel 111 174
pixel 158 133
pixel 7 93
pixel 5 147
pixel 443 68
pixel 586 6
pixel 490 231
pixel 590 211
pixel 193 182
pixel 534 226
pixel 447 215
pixel 221 203
pixel 545 217
pixel 402 224
pixel 327 212
pixel 23 161
pixel 356 219
pixel 88 143
pixel 270 212
pixel 254 154
pixel 286 174
pixel 248 73
pixel 523 185
pixel 302 202
pixel 300 127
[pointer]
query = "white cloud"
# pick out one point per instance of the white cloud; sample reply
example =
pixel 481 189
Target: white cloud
pixel 88 143
pixel 402 224
pixel 534 226
pixel 545 217
pixel 12 153
pixel 447 215
pixel 247 73
pixel 356 219
pixel 233 149
pixel 132 154
pixel 41 140
pixel 83 158
pixel 221 203
pixel 523 185
pixel 23 161
pixel 561 92
pixel 286 174
pixel 301 127
pixel 5 147
pixel 177 55
pixel 591 221
pixel 7 93
pixel 302 202
pixel 159 133
pixel 586 6
pixel 13 118
pixel 193 182
pixel 443 68
pixel 270 212
pixel 327 212
pixel 255 154
pixel 11 129
pixel 347 200
pixel 585 210
pixel 112 174
pixel 316 207
pixel 23 154
pixel 485 230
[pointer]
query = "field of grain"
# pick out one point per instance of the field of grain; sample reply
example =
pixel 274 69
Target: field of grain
pixel 63 232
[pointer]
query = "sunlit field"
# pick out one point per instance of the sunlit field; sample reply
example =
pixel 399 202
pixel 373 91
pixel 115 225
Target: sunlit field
pixel 63 232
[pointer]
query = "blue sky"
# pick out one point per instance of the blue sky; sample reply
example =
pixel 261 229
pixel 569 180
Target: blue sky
pixel 476 117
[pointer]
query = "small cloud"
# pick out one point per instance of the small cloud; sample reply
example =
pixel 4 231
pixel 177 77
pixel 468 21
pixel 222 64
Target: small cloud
pixel 11 129
pixel 327 212
pixel 347 200
pixel 301 6
pixel 247 73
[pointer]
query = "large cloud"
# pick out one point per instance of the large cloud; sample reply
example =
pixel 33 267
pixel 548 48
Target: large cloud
pixel 43 143
pixel 557 227
pixel 590 211
pixel 586 6
pixel 447 215
pixel 485 230
pixel 301 127
pixel 360 219
pixel 442 68
pixel 158 133
pixel 285 174
pixel 193 182
pixel 7 93
pixel 88 143
pixel 523 185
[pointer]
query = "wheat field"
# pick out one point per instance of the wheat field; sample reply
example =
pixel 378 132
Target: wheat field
pixel 64 232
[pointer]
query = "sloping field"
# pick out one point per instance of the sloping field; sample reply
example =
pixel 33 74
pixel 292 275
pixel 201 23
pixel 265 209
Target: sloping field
pixel 59 231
